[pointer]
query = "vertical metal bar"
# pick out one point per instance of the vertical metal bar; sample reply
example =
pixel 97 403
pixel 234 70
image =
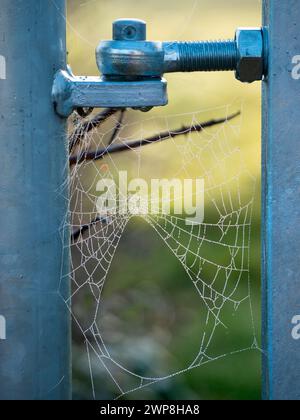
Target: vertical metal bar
pixel 281 202
pixel 35 324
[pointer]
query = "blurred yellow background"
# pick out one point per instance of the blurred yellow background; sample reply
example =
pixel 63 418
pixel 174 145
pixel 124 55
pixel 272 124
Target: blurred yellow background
pixel 206 95
pixel 91 21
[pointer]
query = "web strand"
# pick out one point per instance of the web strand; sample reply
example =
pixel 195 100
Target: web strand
pixel 214 255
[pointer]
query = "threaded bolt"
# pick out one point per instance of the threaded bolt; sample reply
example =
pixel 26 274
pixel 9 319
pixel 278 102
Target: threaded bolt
pixel 203 56
pixel 123 58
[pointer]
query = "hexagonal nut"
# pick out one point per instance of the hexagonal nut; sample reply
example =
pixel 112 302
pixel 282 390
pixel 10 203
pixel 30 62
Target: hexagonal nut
pixel 250 46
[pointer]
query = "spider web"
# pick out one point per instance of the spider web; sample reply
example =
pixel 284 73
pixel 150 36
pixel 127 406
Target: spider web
pixel 213 256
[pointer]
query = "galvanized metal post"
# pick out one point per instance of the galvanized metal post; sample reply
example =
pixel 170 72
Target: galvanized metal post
pixel 34 321
pixel 281 202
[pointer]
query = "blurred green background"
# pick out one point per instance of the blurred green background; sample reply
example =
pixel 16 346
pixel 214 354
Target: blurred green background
pixel 150 317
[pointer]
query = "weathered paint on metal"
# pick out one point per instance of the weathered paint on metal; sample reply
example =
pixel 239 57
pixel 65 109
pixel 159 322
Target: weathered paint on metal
pixel 71 92
pixel 281 203
pixel 34 322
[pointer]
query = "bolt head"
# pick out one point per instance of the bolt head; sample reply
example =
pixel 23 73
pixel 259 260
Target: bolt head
pixel 129 30
pixel 250 46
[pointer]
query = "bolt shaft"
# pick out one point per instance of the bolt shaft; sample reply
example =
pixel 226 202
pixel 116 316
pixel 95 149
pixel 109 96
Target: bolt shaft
pixel 201 56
